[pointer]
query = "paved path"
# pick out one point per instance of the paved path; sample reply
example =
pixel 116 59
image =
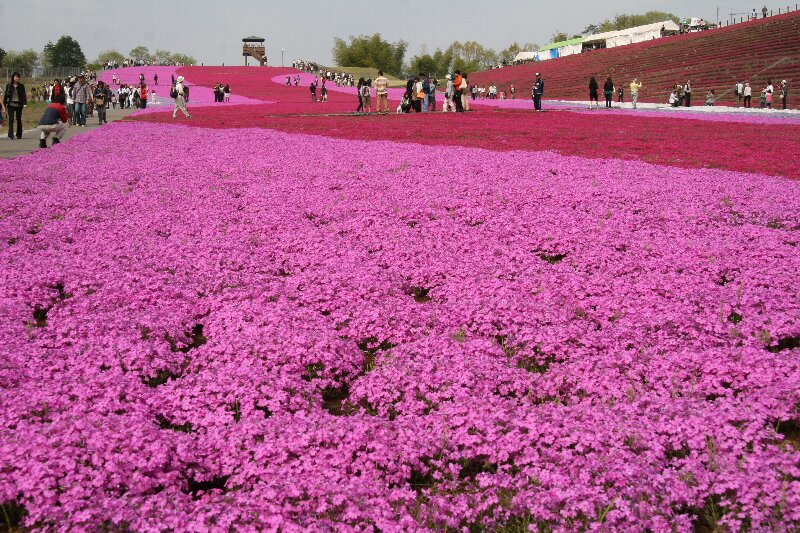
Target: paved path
pixel 30 138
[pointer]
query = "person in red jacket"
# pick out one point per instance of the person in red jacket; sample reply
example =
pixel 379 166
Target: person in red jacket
pixel 55 120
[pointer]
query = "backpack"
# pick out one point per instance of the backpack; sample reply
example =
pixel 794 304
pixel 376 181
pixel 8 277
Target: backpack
pixel 173 93
pixel 426 86
pixel 365 90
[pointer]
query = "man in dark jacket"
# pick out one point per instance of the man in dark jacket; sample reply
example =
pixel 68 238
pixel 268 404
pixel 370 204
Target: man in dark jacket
pixel 54 120
pixel 15 100
pixel 538 91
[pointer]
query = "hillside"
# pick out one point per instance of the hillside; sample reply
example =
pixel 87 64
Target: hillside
pixel 757 51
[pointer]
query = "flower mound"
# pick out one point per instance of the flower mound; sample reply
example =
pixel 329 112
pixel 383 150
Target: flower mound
pixel 393 336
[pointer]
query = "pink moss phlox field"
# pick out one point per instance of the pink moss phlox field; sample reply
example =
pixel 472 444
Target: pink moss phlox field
pixel 324 334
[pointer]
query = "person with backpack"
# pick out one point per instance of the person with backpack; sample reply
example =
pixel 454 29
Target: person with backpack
pixel 178 93
pixel 366 98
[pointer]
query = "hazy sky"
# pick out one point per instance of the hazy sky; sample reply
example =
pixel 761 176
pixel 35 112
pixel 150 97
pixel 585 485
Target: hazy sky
pixel 211 31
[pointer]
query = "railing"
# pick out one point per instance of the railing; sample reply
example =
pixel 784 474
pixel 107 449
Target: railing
pixel 742 17
pixel 50 74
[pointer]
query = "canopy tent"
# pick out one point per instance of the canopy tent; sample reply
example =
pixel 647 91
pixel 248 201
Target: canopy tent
pixel 638 34
pixel 563 48
pixel 525 56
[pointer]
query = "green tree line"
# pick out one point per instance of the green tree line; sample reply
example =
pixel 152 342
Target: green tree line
pixel 67 52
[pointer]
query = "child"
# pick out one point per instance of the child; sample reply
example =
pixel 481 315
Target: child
pixel 763 99
pixel 769 98
pixel 711 98
pixel 366 98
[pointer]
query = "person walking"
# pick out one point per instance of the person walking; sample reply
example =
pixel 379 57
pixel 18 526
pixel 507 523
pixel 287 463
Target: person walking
pixel 382 93
pixel 635 87
pixel 313 89
pixel 55 120
pixel 748 95
pixel 15 99
pixel 687 94
pixel 608 91
pixel 538 92
pixel 81 97
pixel 593 94
pixel 513 92
pixel 101 95
pixel 179 94
pixel 155 79
pixel 784 93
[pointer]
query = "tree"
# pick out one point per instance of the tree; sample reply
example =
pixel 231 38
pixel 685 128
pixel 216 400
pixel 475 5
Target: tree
pixel 436 64
pixel 559 36
pixel 140 53
pixel 623 22
pixel 471 56
pixel 109 55
pixel 46 57
pixel 370 52
pixel 2 56
pixel 26 60
pixel 183 59
pixel 67 53
pixel 515 48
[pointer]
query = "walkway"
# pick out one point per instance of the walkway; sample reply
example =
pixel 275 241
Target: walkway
pixel 30 138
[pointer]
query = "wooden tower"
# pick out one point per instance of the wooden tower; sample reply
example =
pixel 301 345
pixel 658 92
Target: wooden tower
pixel 254 47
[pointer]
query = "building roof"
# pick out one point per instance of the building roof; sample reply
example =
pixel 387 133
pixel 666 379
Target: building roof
pixel 562 44
pixel 253 38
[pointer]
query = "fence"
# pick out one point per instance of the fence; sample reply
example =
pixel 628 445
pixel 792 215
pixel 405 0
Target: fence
pixel 738 18
pixel 50 73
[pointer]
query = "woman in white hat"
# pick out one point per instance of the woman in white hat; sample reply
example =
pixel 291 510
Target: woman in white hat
pixel 178 93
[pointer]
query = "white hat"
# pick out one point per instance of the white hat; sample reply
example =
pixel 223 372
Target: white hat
pixel 538 74
pixel 783 82
pixel 449 77
pixel 180 78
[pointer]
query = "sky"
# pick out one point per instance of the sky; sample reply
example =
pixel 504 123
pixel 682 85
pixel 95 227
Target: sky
pixel 211 30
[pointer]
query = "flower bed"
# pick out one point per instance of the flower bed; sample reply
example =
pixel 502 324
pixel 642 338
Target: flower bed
pixel 675 141
pixel 308 333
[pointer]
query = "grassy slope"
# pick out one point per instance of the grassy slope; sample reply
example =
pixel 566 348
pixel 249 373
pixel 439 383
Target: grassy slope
pixel 360 72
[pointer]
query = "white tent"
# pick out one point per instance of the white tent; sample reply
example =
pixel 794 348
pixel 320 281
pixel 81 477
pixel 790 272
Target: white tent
pixel 633 35
pixel 525 56
pixel 570 50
